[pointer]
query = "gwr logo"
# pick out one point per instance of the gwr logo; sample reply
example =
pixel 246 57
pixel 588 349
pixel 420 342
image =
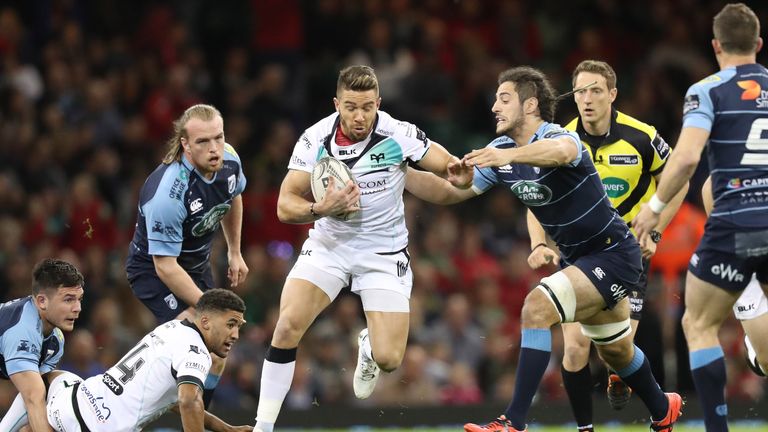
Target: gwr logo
pixel 726 272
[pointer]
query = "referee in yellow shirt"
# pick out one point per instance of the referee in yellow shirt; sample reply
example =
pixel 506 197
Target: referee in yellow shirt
pixel 629 156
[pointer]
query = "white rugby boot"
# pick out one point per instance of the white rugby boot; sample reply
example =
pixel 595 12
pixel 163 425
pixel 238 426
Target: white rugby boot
pixel 367 371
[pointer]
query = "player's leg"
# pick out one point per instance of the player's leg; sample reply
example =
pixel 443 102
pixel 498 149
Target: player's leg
pixel 566 296
pixel 382 344
pixel 384 283
pixel 751 309
pixel 300 303
pixel 706 307
pixel 577 377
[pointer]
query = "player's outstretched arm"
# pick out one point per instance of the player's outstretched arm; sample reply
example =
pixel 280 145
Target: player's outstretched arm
pixel 216 424
pixel 680 167
pixel 542 153
pixel 32 389
pixel 431 188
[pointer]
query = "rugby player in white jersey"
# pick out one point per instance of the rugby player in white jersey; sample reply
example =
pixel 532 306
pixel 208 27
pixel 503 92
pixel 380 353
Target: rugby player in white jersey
pixel 367 251
pixel 165 370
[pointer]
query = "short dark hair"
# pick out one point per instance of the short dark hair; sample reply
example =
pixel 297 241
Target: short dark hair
pixel 219 299
pixel 530 82
pixel 596 67
pixel 357 78
pixel 52 273
pixel 737 28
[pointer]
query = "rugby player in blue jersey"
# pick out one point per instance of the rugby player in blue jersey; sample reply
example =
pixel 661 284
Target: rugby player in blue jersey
pixel 728 110
pixel 31 339
pixel 549 170
pixel 181 205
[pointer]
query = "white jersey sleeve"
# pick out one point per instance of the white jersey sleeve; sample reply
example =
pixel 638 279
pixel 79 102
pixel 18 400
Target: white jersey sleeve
pixel 191 366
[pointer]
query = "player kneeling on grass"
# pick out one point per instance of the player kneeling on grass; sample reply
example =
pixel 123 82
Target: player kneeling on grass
pixel 165 370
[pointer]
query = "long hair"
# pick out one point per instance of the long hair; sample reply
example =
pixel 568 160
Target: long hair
pixel 530 82
pixel 199 111
pixel 737 28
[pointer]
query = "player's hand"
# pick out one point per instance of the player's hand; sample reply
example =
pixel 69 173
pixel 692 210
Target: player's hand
pixel 460 174
pixel 645 221
pixel 488 157
pixel 341 201
pixel 647 246
pixel 542 256
pixel 237 270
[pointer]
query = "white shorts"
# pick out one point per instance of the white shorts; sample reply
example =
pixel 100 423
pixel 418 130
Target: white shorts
pixel 61 414
pixel 382 280
pixel 752 302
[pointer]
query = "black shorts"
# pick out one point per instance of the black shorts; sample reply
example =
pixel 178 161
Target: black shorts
pixel 614 271
pixel 155 295
pixel 727 259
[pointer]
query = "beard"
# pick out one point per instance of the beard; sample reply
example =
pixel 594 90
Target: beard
pixel 512 127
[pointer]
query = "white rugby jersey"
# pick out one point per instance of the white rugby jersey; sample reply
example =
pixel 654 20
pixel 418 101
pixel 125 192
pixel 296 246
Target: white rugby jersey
pixel 142 385
pixel 379 165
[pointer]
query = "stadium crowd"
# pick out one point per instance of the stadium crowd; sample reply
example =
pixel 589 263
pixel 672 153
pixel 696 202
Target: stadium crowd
pixel 88 92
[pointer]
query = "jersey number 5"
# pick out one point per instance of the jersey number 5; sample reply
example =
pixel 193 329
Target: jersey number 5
pixel 129 369
pixel 755 141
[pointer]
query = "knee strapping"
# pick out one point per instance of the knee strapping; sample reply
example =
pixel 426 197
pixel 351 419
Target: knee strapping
pixel 559 291
pixel 604 334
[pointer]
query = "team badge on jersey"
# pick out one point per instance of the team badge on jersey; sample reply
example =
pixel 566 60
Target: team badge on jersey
pixel 170 299
pixel 691 103
pixel 231 183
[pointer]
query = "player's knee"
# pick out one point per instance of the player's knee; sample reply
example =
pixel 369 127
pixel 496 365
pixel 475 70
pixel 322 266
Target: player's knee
pixel 288 332
pixel 612 340
pixel 551 302
pixel 616 354
pixel 692 325
pixel 389 360
pixel 576 354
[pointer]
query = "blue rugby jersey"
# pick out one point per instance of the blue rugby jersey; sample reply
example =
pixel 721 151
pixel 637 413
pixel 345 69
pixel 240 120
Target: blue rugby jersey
pixel 733 106
pixel 569 201
pixel 23 347
pixel 179 210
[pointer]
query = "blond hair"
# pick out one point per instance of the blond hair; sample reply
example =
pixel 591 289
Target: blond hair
pixel 199 111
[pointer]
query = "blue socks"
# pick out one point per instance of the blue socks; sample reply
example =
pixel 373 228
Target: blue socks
pixel 708 370
pixel 637 374
pixel 536 347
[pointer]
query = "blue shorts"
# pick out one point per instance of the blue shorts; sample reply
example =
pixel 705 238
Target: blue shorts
pixel 616 271
pixel 727 258
pixel 155 295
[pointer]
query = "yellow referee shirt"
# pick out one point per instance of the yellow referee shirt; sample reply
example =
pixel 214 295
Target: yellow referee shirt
pixel 627 158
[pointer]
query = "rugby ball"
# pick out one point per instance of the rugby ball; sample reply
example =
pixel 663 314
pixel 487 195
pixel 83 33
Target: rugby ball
pixel 326 168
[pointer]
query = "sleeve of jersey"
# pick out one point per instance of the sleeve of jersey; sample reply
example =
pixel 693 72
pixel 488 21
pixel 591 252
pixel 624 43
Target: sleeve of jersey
pixel 241 180
pixel 414 141
pixel 559 132
pixel 164 218
pixel 698 110
pixel 21 348
pixel 661 153
pixel 484 179
pixel 51 363
pixel 192 366
pixel 304 154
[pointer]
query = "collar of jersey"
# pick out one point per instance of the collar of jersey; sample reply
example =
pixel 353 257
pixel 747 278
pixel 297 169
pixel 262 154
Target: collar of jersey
pixel 608 138
pixel 190 324
pixel 188 165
